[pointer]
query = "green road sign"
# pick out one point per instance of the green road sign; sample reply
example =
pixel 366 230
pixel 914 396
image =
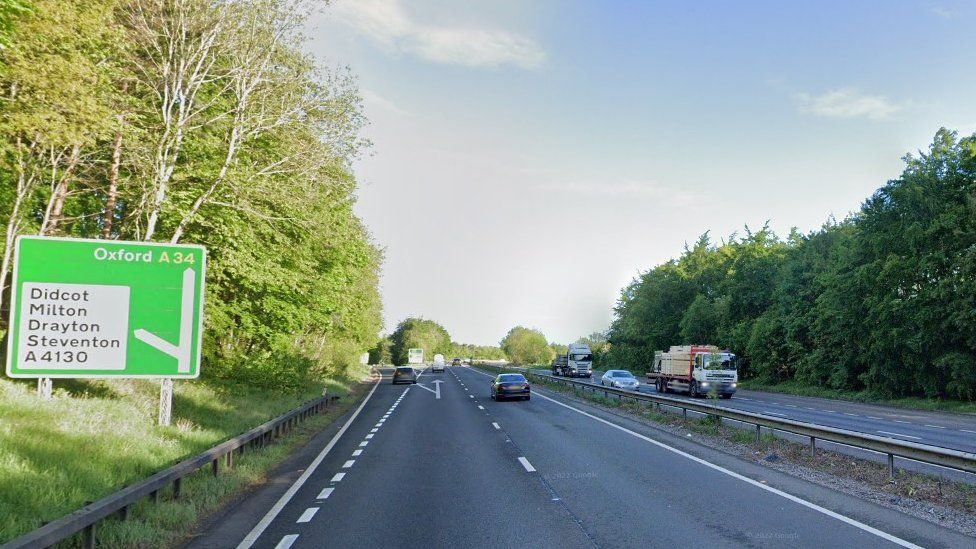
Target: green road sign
pixel 415 356
pixel 105 308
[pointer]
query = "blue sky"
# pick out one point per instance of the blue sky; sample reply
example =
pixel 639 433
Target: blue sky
pixel 530 158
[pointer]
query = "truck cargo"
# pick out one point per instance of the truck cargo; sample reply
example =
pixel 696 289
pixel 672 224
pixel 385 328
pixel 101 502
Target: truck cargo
pixel 695 369
pixel 577 362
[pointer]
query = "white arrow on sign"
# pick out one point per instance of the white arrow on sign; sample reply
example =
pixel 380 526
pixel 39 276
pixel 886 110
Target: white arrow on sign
pixel 180 351
pixel 436 390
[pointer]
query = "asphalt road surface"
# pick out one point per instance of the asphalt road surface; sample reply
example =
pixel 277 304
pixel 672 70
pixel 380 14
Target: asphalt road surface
pixel 946 430
pixel 409 469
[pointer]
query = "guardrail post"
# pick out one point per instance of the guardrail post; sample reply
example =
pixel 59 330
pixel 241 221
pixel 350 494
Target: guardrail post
pixel 758 433
pixel 230 459
pixel 89 535
pixel 124 513
pixel 891 466
pixel 177 488
pixel 813 446
pixel 154 496
pixel 216 466
pixel 684 412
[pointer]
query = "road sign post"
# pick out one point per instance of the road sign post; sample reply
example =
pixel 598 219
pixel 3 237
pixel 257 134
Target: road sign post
pixel 105 309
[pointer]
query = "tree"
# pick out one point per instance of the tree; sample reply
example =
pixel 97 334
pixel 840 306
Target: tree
pixel 526 346
pixel 382 352
pixel 419 333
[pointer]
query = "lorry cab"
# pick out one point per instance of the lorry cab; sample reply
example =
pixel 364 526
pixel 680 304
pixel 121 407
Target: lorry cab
pixel 716 372
pixel 579 360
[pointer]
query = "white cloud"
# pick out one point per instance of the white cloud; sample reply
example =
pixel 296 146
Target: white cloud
pixel 847 103
pixel 944 13
pixel 389 24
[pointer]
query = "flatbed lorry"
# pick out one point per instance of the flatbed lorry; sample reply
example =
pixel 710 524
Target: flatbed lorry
pixel 696 369
pixel 577 362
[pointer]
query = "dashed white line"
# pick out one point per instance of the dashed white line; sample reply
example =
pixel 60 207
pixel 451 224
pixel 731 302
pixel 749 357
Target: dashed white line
pixel 525 463
pixel 338 477
pixel 495 425
pixel 364 443
pixel 968 431
pixel 307 515
pixel 471 396
pixel 936 426
pixel 325 493
pixel 373 430
pixel 850 414
pixel 900 435
pixel 872 417
pixel 747 480
pixel 286 541
pixel 357 453
pixel 899 421
pixel 379 424
pixel 369 436
pixel 481 407
pixel 348 464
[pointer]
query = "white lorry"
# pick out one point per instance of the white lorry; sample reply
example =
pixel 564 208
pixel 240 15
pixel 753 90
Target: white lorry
pixel 577 362
pixel 438 365
pixel 697 369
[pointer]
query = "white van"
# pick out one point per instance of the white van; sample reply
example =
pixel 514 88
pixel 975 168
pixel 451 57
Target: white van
pixel 438 365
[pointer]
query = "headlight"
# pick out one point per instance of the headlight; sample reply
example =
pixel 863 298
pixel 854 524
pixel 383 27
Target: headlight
pixel 704 384
pixel 734 385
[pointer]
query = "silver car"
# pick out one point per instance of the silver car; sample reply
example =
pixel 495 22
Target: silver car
pixel 621 379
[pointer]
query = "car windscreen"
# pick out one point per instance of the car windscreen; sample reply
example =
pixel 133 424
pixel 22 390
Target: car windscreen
pixel 511 378
pixel 583 358
pixel 621 373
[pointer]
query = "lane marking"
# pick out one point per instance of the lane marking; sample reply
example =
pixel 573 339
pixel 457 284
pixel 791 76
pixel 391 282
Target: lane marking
pixel 733 474
pixel 307 515
pixel 899 421
pixel 525 463
pixel 369 436
pixel 936 426
pixel 286 541
pixel 872 417
pixel 348 464
pixel 968 431
pixel 356 453
pixel 470 396
pixel 811 409
pixel 364 443
pixel 773 413
pixel 325 493
pixel 900 435
pixel 379 425
pixel 495 425
pixel 481 407
pixel 262 525
pixel 849 414
pixel 338 477
pixel 373 430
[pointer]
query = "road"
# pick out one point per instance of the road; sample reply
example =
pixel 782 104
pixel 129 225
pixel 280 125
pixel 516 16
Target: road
pixel 946 430
pixel 409 469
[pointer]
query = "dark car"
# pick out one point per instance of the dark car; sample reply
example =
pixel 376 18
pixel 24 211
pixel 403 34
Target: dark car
pixel 456 362
pixel 510 386
pixel 404 374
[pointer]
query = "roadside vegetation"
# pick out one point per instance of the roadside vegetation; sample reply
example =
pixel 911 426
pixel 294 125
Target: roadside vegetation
pixel 430 336
pixel 97 436
pixel 880 303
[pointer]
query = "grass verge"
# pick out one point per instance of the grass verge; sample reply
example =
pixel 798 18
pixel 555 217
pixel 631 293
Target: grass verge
pixel 915 403
pixel 771 450
pixel 95 437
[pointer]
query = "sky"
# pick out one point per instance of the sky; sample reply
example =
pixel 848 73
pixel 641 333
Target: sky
pixel 530 158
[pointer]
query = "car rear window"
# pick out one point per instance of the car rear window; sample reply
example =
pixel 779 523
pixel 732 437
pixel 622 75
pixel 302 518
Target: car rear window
pixel 511 378
pixel 405 370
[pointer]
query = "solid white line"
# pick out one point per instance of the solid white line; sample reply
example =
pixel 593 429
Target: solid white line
pixel 286 541
pixel 307 515
pixel 259 528
pixel 357 453
pixel 348 464
pixel 496 425
pixel 525 463
pixel 481 407
pixel 900 435
pixel 757 484
pixel 338 477
pixel 325 493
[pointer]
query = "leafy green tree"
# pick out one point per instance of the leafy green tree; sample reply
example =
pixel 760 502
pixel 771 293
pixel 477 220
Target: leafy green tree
pixel 526 346
pixel 419 333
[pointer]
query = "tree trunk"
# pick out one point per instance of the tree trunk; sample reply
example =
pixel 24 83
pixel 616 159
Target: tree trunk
pixel 113 183
pixel 61 193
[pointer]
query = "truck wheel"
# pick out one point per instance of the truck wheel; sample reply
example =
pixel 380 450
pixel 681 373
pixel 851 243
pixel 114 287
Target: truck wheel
pixel 693 389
